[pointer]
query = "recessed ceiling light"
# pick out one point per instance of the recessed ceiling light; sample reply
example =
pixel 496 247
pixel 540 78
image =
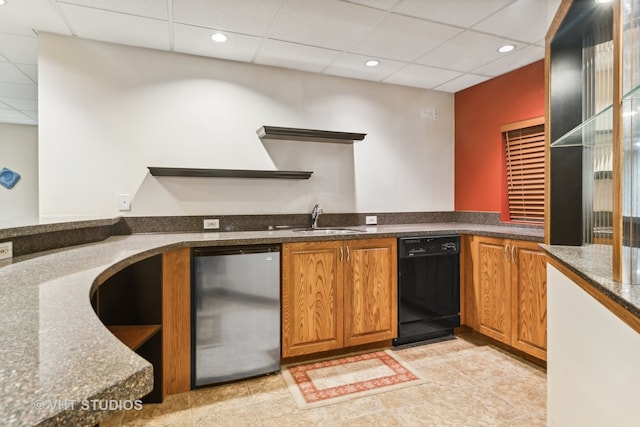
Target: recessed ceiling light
pixel 217 37
pixel 3 2
pixel 604 1
pixel 506 48
pixel 372 63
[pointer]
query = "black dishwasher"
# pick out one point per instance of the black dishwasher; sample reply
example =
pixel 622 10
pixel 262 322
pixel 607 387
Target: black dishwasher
pixel 428 288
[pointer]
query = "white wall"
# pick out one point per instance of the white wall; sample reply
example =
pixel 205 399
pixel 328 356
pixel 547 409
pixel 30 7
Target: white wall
pixel 19 152
pixel 592 360
pixel 109 111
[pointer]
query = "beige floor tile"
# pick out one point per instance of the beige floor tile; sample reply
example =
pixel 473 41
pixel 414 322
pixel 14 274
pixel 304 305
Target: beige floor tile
pixel 222 396
pixel 343 412
pixel 435 411
pixel 115 420
pixel 302 418
pixel 378 419
pixel 276 408
pixel 158 413
pixel 267 388
pixel 467 383
pixel 226 417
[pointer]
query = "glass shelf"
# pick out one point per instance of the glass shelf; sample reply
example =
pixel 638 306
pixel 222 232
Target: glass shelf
pixel 589 132
pixel 633 94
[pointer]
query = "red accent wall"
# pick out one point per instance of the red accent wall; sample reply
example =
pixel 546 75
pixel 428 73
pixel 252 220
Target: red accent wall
pixel 480 111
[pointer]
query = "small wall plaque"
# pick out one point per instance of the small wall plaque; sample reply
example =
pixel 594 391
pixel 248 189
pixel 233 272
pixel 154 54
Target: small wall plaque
pixel 8 178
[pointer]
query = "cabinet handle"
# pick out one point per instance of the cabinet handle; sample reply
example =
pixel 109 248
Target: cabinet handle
pixel 513 259
pixel 506 249
pixel 348 253
pixel 341 254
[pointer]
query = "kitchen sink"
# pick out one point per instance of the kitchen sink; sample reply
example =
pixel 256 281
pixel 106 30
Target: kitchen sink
pixel 326 231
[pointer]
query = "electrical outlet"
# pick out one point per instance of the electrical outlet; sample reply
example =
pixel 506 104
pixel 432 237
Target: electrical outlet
pixel 6 250
pixel 124 202
pixel 371 219
pixel 211 224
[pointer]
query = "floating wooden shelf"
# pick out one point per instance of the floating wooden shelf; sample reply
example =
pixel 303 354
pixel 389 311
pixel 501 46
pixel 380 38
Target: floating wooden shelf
pixel 133 336
pixel 274 132
pixel 229 173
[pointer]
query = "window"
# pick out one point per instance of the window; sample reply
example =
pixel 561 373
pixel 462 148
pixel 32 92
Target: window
pixel 524 154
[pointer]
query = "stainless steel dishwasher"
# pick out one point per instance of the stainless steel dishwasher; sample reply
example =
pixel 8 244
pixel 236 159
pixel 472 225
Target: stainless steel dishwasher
pixel 235 313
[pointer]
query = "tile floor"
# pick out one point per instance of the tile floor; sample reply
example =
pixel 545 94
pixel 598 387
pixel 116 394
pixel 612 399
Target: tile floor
pixel 469 383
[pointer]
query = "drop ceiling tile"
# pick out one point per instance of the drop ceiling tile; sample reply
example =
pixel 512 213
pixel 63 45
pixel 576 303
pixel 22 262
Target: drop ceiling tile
pixel 330 24
pixel 239 16
pixel 466 52
pixel 30 70
pixel 147 8
pixel 377 4
pixel 22 17
pixel 21 104
pixel 463 13
pixel 11 116
pixel 197 41
pixel 31 114
pixel 463 82
pixel 19 49
pixel 290 55
pixel 512 61
pixel 9 73
pixel 395 38
pixel 421 76
pixel 116 27
pixel 350 65
pixel 523 20
pixel 28 91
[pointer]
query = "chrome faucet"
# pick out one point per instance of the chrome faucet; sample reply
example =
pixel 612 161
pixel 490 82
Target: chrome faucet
pixel 315 213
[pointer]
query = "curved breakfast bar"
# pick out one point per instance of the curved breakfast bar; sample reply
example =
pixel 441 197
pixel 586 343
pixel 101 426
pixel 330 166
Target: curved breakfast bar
pixel 59 362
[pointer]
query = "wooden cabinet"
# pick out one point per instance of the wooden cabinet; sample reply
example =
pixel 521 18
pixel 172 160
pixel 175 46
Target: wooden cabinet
pixel 505 292
pixel 338 294
pixel 370 291
pixel 492 288
pixel 311 297
pixel 146 306
pixel 529 298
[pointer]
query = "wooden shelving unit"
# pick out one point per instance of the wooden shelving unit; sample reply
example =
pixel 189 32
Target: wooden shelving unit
pixel 129 303
pixel 134 336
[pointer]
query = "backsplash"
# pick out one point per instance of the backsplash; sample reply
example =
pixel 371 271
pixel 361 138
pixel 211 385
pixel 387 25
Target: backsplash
pixel 39 238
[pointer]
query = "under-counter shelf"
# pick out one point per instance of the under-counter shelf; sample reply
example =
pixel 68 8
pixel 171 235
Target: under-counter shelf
pixel 133 336
pixel 228 173
pixel 274 132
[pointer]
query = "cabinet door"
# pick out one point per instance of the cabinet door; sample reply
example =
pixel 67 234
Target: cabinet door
pixel 529 306
pixel 370 291
pixel 311 297
pixel 492 290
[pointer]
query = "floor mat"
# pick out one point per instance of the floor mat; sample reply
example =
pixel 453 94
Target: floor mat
pixel 336 380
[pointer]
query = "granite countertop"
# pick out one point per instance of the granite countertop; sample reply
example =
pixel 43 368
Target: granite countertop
pixel 59 361
pixel 593 263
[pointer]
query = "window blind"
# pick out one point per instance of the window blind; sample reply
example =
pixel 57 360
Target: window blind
pixel 524 149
